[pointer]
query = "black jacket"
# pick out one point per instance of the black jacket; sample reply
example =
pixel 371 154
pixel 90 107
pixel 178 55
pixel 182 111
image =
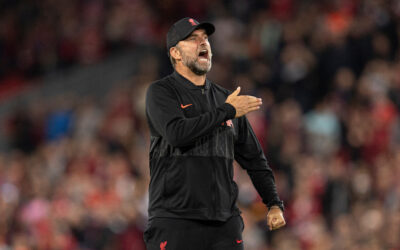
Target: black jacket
pixel 194 140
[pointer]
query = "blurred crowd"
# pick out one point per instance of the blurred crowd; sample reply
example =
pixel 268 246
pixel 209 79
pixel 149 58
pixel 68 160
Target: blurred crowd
pixel 76 172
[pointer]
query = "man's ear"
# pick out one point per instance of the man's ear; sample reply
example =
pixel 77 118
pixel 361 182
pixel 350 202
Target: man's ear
pixel 175 53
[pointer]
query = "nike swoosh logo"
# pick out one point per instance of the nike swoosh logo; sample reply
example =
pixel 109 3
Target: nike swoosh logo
pixel 239 241
pixel 185 106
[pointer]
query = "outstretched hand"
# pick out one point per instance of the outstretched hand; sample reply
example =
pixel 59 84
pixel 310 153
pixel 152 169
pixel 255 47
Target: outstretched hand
pixel 243 103
pixel 275 218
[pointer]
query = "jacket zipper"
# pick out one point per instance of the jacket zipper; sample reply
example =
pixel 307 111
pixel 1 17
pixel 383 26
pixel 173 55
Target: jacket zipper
pixel 214 174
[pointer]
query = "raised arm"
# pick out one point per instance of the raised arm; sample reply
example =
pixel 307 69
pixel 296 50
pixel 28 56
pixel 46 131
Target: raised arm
pixel 167 118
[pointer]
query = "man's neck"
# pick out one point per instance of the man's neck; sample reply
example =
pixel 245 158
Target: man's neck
pixel 188 74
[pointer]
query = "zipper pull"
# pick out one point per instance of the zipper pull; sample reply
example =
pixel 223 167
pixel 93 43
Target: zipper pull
pixel 202 91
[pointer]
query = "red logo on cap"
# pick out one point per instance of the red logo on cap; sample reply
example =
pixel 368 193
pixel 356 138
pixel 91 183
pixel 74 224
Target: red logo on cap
pixel 191 21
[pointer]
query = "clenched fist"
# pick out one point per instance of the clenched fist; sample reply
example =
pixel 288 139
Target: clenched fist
pixel 275 218
pixel 243 103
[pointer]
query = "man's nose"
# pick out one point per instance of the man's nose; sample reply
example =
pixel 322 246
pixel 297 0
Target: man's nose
pixel 203 40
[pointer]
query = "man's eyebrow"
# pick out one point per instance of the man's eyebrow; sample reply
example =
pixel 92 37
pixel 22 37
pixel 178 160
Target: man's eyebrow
pixel 196 35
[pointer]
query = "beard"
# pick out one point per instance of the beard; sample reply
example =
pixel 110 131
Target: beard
pixel 195 66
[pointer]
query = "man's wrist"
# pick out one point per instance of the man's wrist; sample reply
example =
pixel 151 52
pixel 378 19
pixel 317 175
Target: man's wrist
pixel 274 207
pixel 229 109
pixel 277 204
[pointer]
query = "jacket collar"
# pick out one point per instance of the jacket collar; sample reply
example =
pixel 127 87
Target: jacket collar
pixel 188 84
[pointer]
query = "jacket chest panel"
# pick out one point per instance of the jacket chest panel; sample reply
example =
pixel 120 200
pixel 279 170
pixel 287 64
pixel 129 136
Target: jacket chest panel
pixel 194 102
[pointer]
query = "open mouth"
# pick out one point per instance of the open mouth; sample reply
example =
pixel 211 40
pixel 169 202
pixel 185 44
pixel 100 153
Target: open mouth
pixel 203 54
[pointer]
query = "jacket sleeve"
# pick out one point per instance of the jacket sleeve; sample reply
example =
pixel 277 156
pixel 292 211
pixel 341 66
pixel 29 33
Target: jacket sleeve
pixel 249 154
pixel 167 118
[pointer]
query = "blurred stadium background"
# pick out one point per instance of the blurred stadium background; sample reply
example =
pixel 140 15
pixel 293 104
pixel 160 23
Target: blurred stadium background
pixel 74 142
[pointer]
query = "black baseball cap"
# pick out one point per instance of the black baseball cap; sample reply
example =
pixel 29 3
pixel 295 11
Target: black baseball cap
pixel 183 28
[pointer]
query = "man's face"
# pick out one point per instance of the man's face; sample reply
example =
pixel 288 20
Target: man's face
pixel 196 52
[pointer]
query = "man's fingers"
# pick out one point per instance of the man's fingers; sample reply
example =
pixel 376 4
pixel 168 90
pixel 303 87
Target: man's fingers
pixel 250 98
pixel 275 218
pixel 236 92
pixel 276 223
pixel 269 224
pixel 256 102
pixel 244 103
pixel 253 109
pixel 276 227
pixel 281 224
pixel 252 104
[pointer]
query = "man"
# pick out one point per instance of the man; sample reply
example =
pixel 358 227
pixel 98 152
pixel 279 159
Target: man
pixel 197 130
